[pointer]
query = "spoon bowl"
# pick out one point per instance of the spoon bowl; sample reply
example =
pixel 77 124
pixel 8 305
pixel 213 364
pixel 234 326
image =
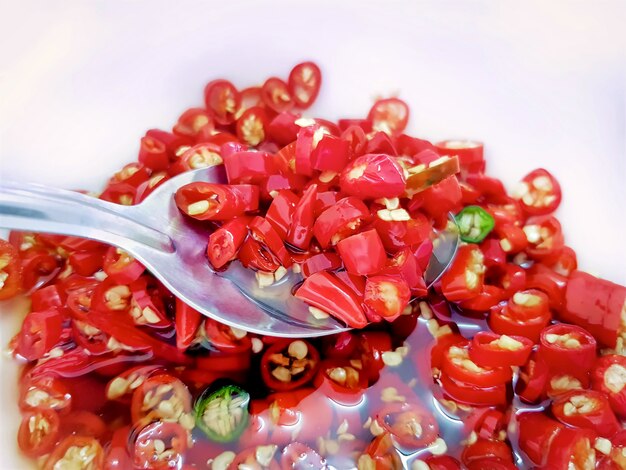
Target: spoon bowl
pixel 173 248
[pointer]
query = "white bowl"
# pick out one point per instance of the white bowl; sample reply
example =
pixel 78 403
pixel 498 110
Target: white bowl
pixel 542 84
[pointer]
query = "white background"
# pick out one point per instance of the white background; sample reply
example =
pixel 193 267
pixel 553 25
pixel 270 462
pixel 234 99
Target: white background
pixel 542 83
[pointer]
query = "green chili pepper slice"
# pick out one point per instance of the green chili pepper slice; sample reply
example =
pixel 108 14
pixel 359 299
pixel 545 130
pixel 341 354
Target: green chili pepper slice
pixel 222 412
pixel 475 223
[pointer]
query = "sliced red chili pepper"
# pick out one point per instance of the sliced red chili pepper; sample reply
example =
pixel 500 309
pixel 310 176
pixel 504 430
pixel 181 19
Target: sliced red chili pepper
pixel 225 242
pixel 464 278
pixel 545 238
pixel 539 193
pixel 380 454
pixel 38 432
pixel 306 142
pixel 331 154
pixel 289 364
pixel 493 253
pixel 424 175
pixel 41 331
pixel 148 398
pixel 533 380
pixel 301 226
pixel 488 297
pixel 491 189
pixel 386 296
pixel 572 448
pixel 121 267
pixel 486 448
pixel 275 94
pixel 405 263
pixel 83 423
pixel 122 386
pixel 609 376
pixel 251 126
pixel 362 253
pixel 586 409
pixel 263 232
pixel 206 201
pixel 355 137
pixel 510 277
pixel 373 176
pixel 35 263
pixel 191 122
pixel 536 435
pixel 305 80
pixel 283 129
pixel 153 154
pixel 566 262
pixel 438 200
pixel 539 276
pixel 341 381
pixel 326 292
pixel 147 187
pixel 226 338
pixel 492 350
pixel 86 263
pixel 47 297
pixel 222 364
pixel 222 101
pixel 248 167
pixel 202 155
pixel 411 426
pixel 442 462
pixel 503 322
pixel 254 255
pixel 389 115
pixel 340 220
pixel 459 367
pixel 172 142
pixel 326 261
pixel 469 153
pixel 160 445
pixel 568 349
pixel 76 451
pixel 133 174
pixel 397 235
pixel 146 308
pixel 281 210
pixel 473 395
pixel 596 305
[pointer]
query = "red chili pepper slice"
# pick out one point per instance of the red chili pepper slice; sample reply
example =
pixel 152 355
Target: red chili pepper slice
pixel 373 176
pixel 386 297
pixel 458 366
pixel 47 297
pixel 545 238
pixel 41 331
pixel 222 101
pixel 381 453
pixel 84 423
pixel 362 253
pixel 149 454
pixel 254 255
pixel 487 449
pixel 38 432
pixel 492 350
pixel 410 425
pixel 572 448
pixel 276 96
pixel 283 129
pixel 596 305
pixel 472 394
pixel 342 381
pixel 503 322
pixel 202 155
pixel 539 193
pixel 609 376
pixel 397 235
pixel 224 243
pixel 263 232
pixel 287 365
pixel 326 261
pixel 389 115
pixel 301 227
pixel 340 220
pixel 251 126
pixel 442 462
pixel 79 451
pixel 248 167
pixel 464 278
pixel 326 292
pixel 568 349
pixel 305 80
pixel 153 154
pixel 438 200
pixel 281 210
pixel 121 267
pixel 206 201
pixel 424 175
pixel 469 153
pixel 191 122
pixel 586 409
pixel 148 398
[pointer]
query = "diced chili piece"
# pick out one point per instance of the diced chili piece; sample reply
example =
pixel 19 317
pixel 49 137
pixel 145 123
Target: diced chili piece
pixel 457 365
pixel 362 253
pixel 326 292
pixel 225 242
pixel 533 380
pixel 568 349
pixel 248 167
pixel 424 175
pixel 252 125
pixel 545 238
pixel 302 222
pixel 264 233
pixel 153 154
pixel 340 220
pixel 206 201
pixel 41 331
pixel 160 445
pixel 373 176
pixel 281 210
pixel 386 297
pixel 276 96
pixel 469 153
pixel 326 261
pixel 121 267
pixel 201 155
pixel 389 115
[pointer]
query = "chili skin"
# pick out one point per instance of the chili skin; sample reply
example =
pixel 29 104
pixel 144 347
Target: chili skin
pixel 485 353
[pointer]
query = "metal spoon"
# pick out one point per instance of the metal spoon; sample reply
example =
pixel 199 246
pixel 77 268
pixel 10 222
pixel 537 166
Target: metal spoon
pixel 173 247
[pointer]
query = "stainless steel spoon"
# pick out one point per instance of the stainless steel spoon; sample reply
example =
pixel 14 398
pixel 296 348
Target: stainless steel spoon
pixel 173 247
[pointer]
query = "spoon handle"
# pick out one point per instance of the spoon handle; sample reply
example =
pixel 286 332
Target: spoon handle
pixel 33 207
